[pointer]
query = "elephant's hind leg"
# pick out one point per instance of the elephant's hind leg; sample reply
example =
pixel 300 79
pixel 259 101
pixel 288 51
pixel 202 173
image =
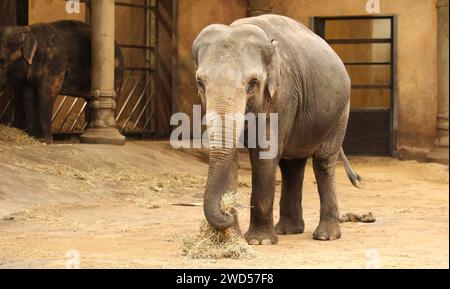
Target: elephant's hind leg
pixel 324 164
pixel 291 214
pixel 324 170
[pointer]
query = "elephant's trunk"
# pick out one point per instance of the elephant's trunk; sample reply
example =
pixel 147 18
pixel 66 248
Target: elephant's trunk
pixel 220 163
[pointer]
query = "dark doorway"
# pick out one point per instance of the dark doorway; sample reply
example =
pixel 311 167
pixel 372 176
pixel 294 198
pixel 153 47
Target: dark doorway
pixel 366 44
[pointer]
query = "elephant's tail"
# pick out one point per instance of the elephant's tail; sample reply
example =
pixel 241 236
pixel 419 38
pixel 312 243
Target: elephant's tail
pixel 351 174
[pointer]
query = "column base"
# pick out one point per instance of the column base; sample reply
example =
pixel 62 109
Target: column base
pixel 108 135
pixel 439 155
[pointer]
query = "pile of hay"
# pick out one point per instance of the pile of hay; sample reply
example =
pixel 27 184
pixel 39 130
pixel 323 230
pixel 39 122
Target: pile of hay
pixel 14 136
pixel 212 244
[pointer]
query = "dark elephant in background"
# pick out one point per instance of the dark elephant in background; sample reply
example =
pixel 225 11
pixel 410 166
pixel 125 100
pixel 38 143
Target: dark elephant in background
pixel 273 64
pixel 45 60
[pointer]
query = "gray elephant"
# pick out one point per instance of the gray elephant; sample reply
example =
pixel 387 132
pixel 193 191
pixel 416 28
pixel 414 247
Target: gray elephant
pixel 273 64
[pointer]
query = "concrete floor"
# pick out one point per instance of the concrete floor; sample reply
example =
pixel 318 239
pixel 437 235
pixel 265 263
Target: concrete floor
pixel 114 207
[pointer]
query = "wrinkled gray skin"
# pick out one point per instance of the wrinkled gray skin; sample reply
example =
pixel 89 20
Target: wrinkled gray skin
pixel 273 64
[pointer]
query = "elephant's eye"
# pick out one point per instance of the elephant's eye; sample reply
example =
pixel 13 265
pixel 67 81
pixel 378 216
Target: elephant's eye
pixel 201 85
pixel 252 86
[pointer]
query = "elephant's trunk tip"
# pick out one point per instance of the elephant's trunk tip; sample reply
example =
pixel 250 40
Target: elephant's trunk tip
pixel 217 219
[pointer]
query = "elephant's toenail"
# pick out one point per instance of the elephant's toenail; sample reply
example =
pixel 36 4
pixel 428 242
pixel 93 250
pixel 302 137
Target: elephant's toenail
pixel 322 238
pixel 266 242
pixel 253 242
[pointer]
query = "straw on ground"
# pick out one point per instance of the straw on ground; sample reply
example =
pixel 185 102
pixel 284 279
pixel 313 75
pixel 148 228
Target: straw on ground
pixel 210 243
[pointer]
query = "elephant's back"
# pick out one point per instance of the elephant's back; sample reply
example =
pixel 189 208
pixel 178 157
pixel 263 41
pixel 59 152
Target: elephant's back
pixel 297 44
pixel 276 26
pixel 70 42
pixel 66 45
pixel 288 32
pixel 67 40
pixel 302 49
pixel 64 32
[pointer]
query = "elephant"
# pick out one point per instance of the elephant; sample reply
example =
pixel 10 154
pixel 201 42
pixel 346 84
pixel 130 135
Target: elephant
pixel 43 61
pixel 274 64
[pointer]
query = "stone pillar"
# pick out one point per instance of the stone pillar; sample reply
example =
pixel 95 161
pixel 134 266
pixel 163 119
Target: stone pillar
pixel 259 7
pixel 102 126
pixel 443 93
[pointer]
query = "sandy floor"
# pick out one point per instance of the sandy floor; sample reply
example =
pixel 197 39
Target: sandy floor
pixel 114 207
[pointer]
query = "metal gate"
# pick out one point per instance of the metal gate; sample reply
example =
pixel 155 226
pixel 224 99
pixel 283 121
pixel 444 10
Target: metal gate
pixel 367 45
pixel 135 103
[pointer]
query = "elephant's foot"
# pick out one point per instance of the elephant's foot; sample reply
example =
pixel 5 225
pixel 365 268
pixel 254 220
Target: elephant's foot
pixel 45 135
pixel 257 236
pixel 289 226
pixel 327 230
pixel 48 139
pixel 32 131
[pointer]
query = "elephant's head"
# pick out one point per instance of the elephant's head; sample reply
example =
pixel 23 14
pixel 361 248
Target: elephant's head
pixel 17 50
pixel 237 67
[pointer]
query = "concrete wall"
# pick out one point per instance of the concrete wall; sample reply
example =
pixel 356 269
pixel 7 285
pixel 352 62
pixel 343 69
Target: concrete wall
pixel 193 16
pixel 42 11
pixel 417 61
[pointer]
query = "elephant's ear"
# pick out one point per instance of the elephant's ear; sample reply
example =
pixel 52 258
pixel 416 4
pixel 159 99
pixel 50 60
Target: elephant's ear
pixel 29 48
pixel 274 71
pixel 205 38
pixel 195 48
pixel 195 55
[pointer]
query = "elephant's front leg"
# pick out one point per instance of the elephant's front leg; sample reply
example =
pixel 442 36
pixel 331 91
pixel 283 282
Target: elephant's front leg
pixel 261 230
pixel 29 101
pixel 47 93
pixel 45 118
pixel 324 170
